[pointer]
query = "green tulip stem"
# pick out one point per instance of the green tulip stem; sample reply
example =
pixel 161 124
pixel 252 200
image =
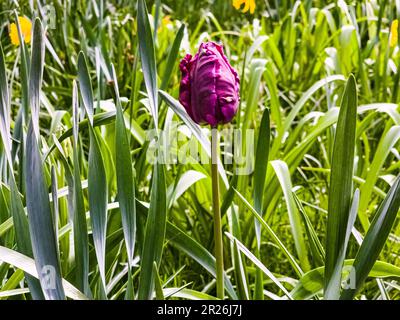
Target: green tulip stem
pixel 217 215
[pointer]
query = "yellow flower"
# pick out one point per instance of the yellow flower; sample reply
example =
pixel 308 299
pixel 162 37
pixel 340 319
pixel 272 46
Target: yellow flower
pixel 248 5
pixel 393 33
pixel 165 22
pixel 26 26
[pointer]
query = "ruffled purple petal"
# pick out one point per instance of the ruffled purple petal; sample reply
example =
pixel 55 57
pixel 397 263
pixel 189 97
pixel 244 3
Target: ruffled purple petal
pixel 210 86
pixel 184 89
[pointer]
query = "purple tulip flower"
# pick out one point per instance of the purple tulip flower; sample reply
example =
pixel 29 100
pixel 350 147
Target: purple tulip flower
pixel 209 88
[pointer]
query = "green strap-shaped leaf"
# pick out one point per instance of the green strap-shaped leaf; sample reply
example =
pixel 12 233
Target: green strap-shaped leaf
pixel 98 197
pixel 148 57
pixel 196 251
pixel 97 179
pixel 191 247
pixel 261 161
pixel 260 170
pixel 258 264
pixel 81 243
pixel 187 294
pixel 85 85
pixel 341 180
pixel 257 69
pixel 125 180
pixel 375 239
pixel 282 172
pixel 240 274
pixel 24 69
pixel 44 243
pixel 154 233
pixel 195 129
pixel 4 108
pixel 313 281
pixel 27 264
pixel 16 207
pixel 158 283
pixel 21 227
pixel 387 142
pixel 172 58
pixel 36 73
pixel 100 119
pixel 271 233
pixel 317 250
pixel 332 290
pixel 297 107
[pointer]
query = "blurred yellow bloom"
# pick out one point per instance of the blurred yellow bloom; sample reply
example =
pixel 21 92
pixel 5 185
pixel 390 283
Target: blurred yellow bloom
pixel 393 33
pixel 26 27
pixel 165 22
pixel 248 5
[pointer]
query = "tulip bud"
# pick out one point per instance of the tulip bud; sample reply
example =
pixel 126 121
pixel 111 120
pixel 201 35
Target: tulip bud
pixel 209 88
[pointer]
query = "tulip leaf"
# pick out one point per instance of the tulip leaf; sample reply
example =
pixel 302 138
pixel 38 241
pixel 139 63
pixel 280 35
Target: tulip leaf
pixel 258 264
pixel 375 238
pixel 36 73
pixel 387 142
pixel 85 85
pixel 154 233
pixel 44 243
pixel 194 128
pixel 282 172
pixel 125 180
pixel 148 57
pixel 185 243
pixel 81 243
pixel 312 282
pixel 97 179
pixel 172 57
pixel 27 264
pixel 271 233
pixel 341 181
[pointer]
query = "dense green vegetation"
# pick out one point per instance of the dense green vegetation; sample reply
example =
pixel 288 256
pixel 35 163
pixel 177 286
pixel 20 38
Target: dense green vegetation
pixel 85 210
